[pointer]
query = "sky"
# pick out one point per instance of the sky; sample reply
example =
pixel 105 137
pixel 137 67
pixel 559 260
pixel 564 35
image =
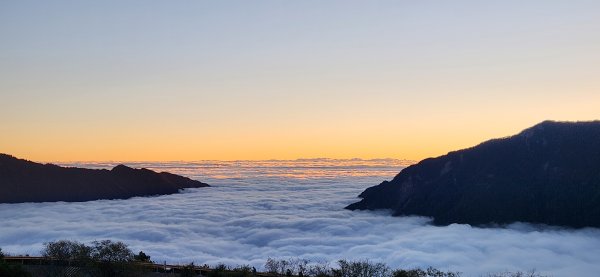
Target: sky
pixel 226 80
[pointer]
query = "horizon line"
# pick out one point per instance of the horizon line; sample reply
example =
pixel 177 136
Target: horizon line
pixel 223 160
pixel 204 160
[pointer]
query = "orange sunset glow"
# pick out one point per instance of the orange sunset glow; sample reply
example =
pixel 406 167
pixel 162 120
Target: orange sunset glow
pixel 306 138
pixel 395 80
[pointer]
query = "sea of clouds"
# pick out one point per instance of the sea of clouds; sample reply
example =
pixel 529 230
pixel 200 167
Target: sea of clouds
pixel 283 209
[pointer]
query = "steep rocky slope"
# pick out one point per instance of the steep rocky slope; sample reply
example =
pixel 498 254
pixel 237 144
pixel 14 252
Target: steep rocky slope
pixel 549 174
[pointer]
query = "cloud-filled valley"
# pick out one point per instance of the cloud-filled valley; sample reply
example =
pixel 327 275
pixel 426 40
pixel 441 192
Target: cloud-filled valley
pixel 280 209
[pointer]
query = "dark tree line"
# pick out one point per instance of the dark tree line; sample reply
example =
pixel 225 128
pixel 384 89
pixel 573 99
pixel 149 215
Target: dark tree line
pixel 346 268
pixel 363 268
pixel 101 258
pixel 108 258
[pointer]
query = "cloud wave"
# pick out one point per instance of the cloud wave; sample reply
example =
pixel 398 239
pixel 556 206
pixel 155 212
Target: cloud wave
pixel 293 209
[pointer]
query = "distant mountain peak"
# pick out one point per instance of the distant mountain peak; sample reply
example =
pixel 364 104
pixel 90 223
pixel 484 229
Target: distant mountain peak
pixel 122 167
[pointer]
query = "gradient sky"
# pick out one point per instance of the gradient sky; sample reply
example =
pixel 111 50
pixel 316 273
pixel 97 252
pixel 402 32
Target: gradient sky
pixel 193 80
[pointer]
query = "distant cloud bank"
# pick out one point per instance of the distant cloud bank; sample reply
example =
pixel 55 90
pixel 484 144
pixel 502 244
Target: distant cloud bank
pixel 275 210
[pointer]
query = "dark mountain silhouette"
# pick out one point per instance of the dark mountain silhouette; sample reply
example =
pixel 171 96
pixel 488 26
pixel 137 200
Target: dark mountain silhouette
pixel 548 174
pixel 25 181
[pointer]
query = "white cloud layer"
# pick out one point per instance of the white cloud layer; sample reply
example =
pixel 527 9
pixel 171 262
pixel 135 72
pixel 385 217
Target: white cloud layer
pixel 276 209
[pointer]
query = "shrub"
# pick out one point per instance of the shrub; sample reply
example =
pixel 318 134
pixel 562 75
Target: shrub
pixel 221 270
pixel 8 270
pixel 531 273
pixel 187 270
pixel 429 272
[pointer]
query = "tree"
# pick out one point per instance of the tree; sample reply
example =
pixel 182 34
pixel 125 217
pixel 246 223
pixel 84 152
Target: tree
pixel 66 250
pixel 272 266
pixel 320 269
pixel 142 257
pixel 112 258
pixel 111 252
pixel 286 267
pixel 363 268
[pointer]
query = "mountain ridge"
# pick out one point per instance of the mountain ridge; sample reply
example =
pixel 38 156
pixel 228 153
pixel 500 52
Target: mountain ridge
pixel 547 174
pixel 26 181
